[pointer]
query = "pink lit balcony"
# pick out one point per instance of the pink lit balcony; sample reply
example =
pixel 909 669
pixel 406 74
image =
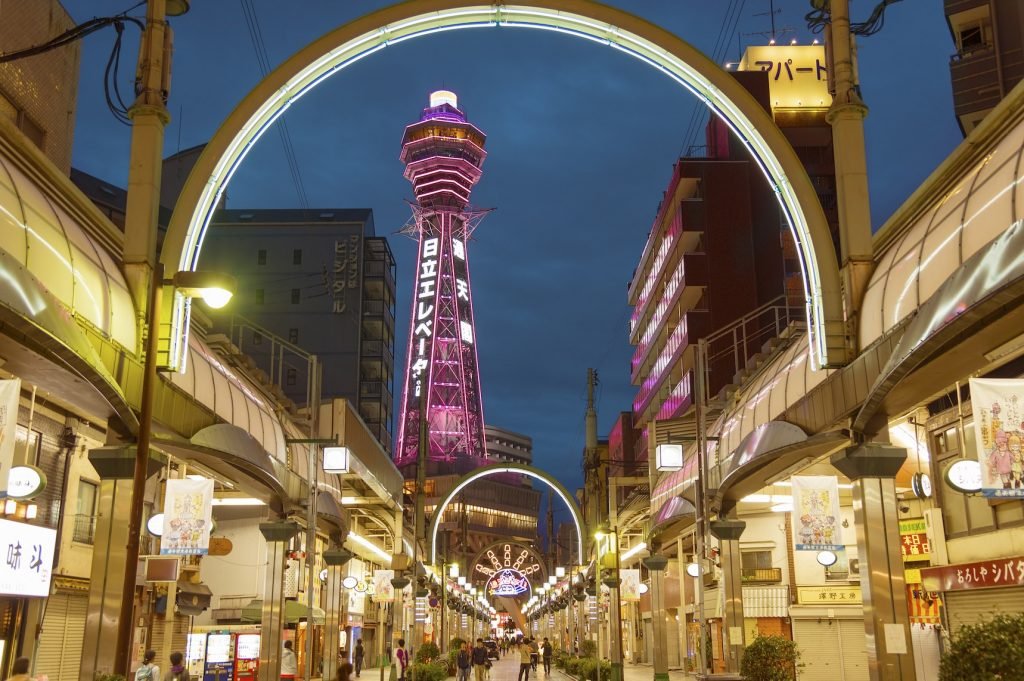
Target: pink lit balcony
pixel 694 324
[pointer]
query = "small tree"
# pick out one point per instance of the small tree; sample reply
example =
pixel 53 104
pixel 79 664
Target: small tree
pixel 770 658
pixel 991 651
pixel 427 652
pixel 588 648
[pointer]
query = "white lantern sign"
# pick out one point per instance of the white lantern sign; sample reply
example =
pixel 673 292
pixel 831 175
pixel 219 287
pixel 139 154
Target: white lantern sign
pixel 668 457
pixel 336 459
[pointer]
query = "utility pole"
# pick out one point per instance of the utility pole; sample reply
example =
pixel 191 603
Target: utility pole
pixel 846 116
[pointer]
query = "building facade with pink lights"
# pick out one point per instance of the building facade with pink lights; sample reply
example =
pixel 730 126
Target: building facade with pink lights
pixel 443 154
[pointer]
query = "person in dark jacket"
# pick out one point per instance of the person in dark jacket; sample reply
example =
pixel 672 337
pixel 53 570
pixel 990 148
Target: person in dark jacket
pixel 546 652
pixel 479 660
pixel 464 662
pixel 357 657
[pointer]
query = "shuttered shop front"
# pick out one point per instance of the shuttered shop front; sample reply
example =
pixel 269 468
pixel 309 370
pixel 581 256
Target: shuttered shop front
pixel 973 607
pixel 60 643
pixel 831 649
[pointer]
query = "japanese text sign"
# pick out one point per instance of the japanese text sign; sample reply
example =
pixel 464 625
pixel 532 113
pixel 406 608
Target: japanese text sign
pixel 27 552
pixel 986 574
pixel 797 76
pixel 840 594
pixel 914 540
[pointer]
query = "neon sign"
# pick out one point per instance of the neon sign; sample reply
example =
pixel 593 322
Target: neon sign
pixel 508 582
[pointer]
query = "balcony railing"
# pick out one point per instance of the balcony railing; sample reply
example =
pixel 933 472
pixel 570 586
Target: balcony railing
pixel 761 575
pixel 84 531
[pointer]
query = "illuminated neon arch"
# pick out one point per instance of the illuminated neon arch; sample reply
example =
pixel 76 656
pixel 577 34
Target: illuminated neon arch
pixel 496 469
pixel 586 19
pixel 482 554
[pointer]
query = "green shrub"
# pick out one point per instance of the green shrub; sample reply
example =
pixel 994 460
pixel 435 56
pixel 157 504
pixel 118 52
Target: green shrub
pixel 429 671
pixel 572 666
pixel 991 651
pixel 427 652
pixel 588 648
pixel 770 658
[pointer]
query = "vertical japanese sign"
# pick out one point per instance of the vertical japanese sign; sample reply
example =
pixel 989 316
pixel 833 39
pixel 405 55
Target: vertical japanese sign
pixel 816 520
pixel 27 552
pixel 10 392
pixel 998 405
pixel 629 589
pixel 383 590
pixel 345 283
pixel 188 516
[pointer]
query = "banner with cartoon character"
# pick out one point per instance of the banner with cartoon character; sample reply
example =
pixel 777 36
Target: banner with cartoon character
pixel 817 525
pixel 998 405
pixel 188 517
pixel 383 590
pixel 629 589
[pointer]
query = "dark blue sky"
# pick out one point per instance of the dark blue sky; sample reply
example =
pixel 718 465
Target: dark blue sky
pixel 581 140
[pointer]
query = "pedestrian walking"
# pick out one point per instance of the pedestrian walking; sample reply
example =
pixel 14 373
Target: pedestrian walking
pixel 463 662
pixel 534 654
pixel 479 660
pixel 546 653
pixel 148 670
pixel 289 664
pixel 19 670
pixel 524 659
pixel 401 659
pixel 358 656
pixel 177 672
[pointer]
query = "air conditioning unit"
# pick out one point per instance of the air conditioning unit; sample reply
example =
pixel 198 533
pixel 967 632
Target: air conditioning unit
pixel 936 530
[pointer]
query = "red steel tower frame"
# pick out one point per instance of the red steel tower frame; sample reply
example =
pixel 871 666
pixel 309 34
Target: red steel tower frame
pixel 443 154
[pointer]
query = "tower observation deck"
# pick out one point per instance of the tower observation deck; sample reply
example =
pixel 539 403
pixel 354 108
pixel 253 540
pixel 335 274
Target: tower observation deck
pixel 443 154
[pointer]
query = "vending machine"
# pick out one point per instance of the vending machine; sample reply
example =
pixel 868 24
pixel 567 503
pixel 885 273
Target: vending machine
pixel 220 658
pixel 247 656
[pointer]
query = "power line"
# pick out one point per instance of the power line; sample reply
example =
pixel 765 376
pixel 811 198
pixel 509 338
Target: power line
pixel 263 61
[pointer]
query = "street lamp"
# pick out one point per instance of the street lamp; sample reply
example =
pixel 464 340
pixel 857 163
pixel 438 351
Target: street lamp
pixel 204 285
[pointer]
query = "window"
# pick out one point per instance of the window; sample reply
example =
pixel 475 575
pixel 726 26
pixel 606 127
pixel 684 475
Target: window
pixel 971 38
pixel 85 512
pixel 297 256
pixel 257 295
pixel 293 335
pixel 261 257
pixel 296 296
pixel 289 376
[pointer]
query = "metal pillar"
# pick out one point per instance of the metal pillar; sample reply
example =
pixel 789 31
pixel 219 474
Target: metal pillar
pixel 656 565
pixel 115 466
pixel 728 534
pixel 335 558
pixel 398 610
pixel 872 467
pixel 277 534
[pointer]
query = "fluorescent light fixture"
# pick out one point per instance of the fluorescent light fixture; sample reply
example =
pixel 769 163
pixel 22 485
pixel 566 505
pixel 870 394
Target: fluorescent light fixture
pixel 633 551
pixel 336 460
pixel 237 501
pixel 827 558
pixel 668 457
pixel 787 483
pixel 370 546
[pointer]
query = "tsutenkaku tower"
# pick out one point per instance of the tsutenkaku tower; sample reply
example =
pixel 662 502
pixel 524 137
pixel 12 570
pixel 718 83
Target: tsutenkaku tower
pixel 442 153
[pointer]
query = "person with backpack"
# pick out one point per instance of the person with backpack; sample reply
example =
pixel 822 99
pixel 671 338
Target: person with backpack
pixel 148 671
pixel 177 672
pixel 463 662
pixel 358 656
pixel 289 665
pixel 401 659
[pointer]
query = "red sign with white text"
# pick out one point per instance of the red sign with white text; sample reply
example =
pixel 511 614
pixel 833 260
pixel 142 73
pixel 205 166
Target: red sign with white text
pixel 987 574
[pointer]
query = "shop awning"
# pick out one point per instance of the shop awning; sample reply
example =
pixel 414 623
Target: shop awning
pixel 293 612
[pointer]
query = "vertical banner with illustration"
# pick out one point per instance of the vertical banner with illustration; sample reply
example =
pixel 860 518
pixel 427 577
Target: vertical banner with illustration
pixel 629 589
pixel 383 590
pixel 998 405
pixel 10 393
pixel 188 516
pixel 817 525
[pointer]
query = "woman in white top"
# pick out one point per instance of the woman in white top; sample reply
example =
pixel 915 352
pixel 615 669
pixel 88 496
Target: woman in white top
pixel 148 671
pixel 289 665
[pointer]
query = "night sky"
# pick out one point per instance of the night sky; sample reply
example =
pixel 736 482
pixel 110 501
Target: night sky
pixel 581 140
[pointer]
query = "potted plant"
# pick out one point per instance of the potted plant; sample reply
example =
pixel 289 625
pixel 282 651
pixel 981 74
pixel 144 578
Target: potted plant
pixel 991 651
pixel 770 658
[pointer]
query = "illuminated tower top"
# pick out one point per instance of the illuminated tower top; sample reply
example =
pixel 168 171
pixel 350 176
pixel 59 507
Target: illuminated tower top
pixel 443 153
